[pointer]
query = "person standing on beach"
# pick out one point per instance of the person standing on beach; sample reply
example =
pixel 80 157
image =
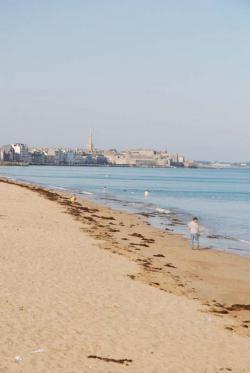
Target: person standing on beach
pixel 194 229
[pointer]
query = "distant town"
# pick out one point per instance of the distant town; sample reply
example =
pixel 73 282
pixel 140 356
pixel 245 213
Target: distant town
pixel 23 155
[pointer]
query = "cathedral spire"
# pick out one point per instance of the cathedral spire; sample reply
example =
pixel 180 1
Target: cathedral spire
pixel 90 142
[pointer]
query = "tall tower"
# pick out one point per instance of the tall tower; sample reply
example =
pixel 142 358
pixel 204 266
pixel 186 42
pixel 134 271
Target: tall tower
pixel 90 143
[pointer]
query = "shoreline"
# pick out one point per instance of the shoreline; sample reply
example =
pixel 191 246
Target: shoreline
pixel 217 232
pixel 173 221
pixel 219 280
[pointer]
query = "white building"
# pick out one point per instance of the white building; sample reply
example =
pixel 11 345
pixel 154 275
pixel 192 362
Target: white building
pixel 21 152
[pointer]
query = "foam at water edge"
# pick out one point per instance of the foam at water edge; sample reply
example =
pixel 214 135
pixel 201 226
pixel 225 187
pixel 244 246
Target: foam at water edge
pixel 245 241
pixel 165 211
pixel 57 187
pixel 85 192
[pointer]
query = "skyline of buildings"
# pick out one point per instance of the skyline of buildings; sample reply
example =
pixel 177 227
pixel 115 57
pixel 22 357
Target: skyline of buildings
pixel 22 154
pixel 89 155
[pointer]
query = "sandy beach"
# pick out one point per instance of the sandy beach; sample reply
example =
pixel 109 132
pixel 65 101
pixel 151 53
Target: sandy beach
pixel 88 289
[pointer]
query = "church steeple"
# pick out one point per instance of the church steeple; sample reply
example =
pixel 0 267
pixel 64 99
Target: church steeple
pixel 90 143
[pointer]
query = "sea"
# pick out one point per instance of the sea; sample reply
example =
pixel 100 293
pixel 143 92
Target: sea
pixel 167 197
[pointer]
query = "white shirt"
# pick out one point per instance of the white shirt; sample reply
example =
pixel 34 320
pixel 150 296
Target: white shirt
pixel 194 227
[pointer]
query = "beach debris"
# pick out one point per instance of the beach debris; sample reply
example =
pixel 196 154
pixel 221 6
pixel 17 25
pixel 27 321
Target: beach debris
pixel 111 360
pixel 38 351
pixel 239 307
pixel 170 265
pixel 146 240
pixel 132 277
pixel 73 198
pixel 104 217
pixel 225 310
pixel 229 328
pixel 18 359
pixel 139 244
pixel 137 235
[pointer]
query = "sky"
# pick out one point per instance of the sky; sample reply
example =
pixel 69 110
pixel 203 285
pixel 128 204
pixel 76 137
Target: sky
pixel 156 74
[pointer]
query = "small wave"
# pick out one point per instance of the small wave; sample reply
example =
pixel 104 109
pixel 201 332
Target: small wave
pixel 164 211
pixel 85 192
pixel 238 249
pixel 245 241
pixel 222 237
pixel 57 187
pixel 230 238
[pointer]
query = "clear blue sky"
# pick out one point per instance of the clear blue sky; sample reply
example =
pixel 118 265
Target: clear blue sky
pixel 140 73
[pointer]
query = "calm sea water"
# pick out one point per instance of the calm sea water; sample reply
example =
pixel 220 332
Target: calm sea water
pixel 220 198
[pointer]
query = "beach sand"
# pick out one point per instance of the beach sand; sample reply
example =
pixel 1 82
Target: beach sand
pixel 88 289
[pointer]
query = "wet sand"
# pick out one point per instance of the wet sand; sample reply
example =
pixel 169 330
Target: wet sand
pixel 86 288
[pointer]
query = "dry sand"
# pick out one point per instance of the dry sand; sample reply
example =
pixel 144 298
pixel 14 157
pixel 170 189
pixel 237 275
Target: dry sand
pixel 69 306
